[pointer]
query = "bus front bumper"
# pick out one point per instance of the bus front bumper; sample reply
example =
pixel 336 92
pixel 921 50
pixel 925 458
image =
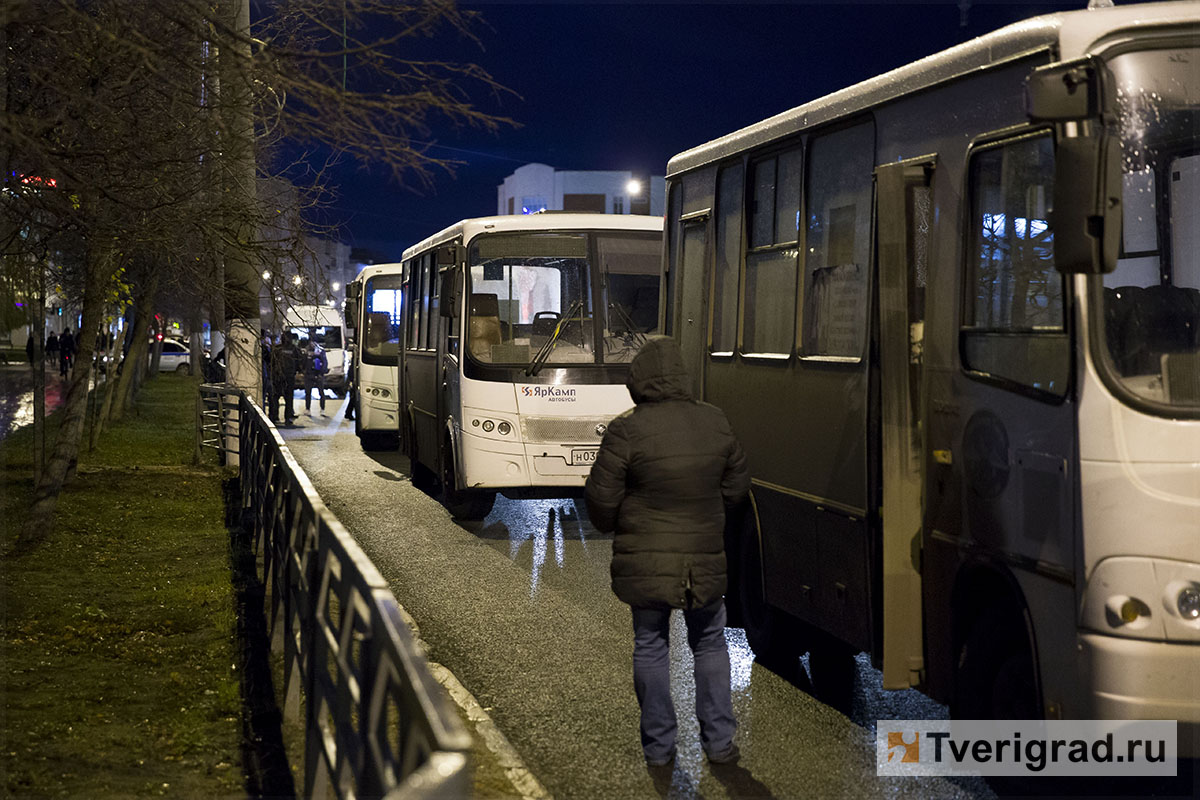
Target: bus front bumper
pixel 488 464
pixel 1141 679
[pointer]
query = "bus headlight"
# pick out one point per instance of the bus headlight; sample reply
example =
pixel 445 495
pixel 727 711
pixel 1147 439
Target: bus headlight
pixel 1143 598
pixel 1188 603
pixel 504 428
pixel 488 426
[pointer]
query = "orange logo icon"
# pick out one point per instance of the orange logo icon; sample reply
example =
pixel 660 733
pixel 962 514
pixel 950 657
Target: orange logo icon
pixel 912 750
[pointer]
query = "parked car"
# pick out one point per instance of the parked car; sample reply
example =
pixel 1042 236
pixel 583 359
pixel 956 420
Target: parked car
pixel 176 357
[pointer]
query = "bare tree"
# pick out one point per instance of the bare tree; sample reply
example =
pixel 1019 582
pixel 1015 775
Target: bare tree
pixel 137 118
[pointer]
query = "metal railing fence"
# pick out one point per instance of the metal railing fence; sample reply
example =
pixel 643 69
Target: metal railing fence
pixel 376 722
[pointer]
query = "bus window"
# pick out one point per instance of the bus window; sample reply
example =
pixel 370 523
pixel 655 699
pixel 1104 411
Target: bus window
pixel 381 339
pixel 1152 300
pixel 770 312
pixel 1014 320
pixel 723 332
pixel 630 267
pixel 838 243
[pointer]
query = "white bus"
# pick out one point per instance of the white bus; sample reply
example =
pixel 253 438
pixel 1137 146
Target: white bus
pixel 373 306
pixel 517 337
pixel 324 326
pixel 953 313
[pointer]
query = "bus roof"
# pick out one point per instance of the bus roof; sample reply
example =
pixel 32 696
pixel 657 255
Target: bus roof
pixel 1068 34
pixel 549 221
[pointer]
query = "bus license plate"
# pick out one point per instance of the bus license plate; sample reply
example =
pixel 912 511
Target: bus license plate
pixel 583 458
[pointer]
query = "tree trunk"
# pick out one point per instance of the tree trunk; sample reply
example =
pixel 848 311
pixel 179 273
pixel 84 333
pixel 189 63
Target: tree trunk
pixel 37 329
pixel 135 358
pixel 62 460
pixel 110 381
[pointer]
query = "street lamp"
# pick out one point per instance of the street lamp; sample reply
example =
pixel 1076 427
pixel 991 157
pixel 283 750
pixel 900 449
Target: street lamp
pixel 634 187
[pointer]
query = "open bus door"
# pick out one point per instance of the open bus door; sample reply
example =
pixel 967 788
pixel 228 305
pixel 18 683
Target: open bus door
pixel 902 197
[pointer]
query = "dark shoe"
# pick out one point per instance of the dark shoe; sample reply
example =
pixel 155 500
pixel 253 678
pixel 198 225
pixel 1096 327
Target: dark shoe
pixel 666 760
pixel 727 757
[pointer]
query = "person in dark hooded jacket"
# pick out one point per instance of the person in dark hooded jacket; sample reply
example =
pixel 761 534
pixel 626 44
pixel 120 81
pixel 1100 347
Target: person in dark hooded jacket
pixel 664 475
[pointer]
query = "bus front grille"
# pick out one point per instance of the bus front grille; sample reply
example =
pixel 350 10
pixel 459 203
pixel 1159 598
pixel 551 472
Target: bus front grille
pixel 564 429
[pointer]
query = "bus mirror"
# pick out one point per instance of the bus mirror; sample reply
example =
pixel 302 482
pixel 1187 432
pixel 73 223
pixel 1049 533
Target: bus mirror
pixel 1086 218
pixel 447 256
pixel 1072 90
pixel 451 291
pixel 351 311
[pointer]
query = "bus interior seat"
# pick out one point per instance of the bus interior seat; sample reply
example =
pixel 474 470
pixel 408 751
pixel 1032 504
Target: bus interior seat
pixel 544 323
pixel 483 329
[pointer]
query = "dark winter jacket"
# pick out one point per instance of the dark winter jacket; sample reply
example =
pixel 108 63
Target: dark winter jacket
pixel 664 474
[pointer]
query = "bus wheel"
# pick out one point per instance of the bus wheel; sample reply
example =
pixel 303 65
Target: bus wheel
pixel 772 636
pixel 995 676
pixel 464 504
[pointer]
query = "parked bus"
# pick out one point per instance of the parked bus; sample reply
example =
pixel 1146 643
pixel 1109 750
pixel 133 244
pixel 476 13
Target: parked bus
pixel 517 337
pixel 373 306
pixel 953 313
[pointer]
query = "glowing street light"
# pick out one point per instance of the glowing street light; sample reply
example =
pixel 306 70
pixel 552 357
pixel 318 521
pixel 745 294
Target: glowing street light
pixel 634 187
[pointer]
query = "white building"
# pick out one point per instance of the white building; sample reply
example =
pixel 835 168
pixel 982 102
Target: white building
pixel 538 187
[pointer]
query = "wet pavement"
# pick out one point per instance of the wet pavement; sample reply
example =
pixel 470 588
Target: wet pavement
pixel 16 395
pixel 519 608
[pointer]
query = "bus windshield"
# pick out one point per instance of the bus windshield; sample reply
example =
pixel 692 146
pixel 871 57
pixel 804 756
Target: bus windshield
pixel 1151 318
pixel 381 320
pixel 532 297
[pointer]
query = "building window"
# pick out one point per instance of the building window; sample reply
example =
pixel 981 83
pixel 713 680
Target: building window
pixel 618 205
pixel 532 205
pixel 838 243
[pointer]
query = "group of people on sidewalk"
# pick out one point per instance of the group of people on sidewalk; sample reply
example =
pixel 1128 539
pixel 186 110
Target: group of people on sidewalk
pixel 60 348
pixel 282 362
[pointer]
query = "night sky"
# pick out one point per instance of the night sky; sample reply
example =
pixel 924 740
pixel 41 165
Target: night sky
pixel 627 86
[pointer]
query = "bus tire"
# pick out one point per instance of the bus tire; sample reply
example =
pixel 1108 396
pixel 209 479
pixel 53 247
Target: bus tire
pixel 464 504
pixel 994 677
pixel 771 634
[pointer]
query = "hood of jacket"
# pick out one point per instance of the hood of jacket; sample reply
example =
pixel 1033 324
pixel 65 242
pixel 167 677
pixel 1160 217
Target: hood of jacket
pixel 657 373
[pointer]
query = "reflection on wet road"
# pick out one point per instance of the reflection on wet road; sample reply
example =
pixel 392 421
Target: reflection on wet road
pixel 16 396
pixel 519 608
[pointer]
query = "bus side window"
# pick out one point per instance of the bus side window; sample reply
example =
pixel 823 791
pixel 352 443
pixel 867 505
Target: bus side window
pixel 723 331
pixel 769 315
pixel 838 242
pixel 1014 320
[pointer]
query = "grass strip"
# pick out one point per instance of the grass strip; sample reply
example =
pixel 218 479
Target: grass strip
pixel 117 636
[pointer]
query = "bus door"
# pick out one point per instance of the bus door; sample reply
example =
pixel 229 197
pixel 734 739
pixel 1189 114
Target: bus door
pixel 1013 445
pixel 692 316
pixel 903 213
pixel 420 376
pixel 447 298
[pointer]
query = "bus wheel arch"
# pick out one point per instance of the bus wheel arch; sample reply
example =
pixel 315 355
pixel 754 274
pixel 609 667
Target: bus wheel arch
pixel 463 504
pixel 995 664
pixel 772 635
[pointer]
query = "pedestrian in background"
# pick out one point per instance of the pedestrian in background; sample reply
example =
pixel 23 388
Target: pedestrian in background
pixel 66 352
pixel 270 401
pixel 663 478
pixel 316 365
pixel 52 348
pixel 351 348
pixel 284 358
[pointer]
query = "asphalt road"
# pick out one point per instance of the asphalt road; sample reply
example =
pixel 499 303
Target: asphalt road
pixel 519 608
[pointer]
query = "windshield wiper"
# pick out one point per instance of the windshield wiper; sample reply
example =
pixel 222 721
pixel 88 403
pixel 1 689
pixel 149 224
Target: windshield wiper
pixel 631 328
pixel 544 352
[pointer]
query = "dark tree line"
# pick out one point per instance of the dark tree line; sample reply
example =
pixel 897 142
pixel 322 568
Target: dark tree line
pixel 135 139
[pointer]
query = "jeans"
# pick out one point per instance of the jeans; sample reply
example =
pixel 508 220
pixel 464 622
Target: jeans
pixel 311 382
pixel 652 679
